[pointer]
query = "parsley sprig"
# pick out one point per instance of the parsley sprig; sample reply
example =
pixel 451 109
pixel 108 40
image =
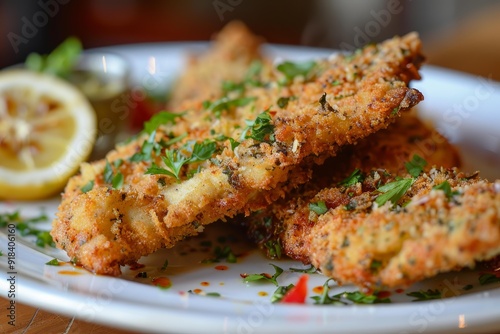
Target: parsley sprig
pixel 393 191
pixel 423 295
pixel 225 103
pixel 488 279
pixel 260 129
pixel 280 292
pixel 345 298
pixel 163 117
pixel 60 61
pixel 292 70
pixel 264 276
pixel 318 207
pixel 175 159
pixel 116 180
pixel 26 226
pixel 355 177
pixel 446 188
pixel 222 253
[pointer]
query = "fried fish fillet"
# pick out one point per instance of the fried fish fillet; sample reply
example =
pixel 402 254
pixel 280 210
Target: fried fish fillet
pixel 451 221
pixel 235 50
pixel 232 155
pixel 356 241
pixel 286 224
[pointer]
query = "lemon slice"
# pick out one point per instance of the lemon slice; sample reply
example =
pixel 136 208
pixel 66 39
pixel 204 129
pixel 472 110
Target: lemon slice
pixel 47 128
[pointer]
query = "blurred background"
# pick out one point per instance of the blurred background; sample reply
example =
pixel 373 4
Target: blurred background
pixel 445 26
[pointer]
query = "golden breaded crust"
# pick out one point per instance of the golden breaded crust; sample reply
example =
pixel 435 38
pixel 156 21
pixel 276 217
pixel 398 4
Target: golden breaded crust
pixel 339 102
pixel 436 232
pixel 287 222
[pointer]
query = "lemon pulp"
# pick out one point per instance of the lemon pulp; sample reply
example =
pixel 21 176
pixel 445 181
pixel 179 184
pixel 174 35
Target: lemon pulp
pixel 47 128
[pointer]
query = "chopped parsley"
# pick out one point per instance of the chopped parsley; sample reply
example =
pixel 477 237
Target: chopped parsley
pixel 283 101
pixel 253 72
pixel 292 70
pixel 26 227
pixel 264 276
pixel 53 262
pixel 425 295
pixel 318 207
pixel 355 177
pixel 359 297
pixel 393 191
pixel 163 117
pixel 375 265
pixel 174 159
pixel 116 180
pixel 260 129
pixel 488 279
pixel 222 253
pixel 416 165
pixel 164 266
pixel 230 86
pixel 273 249
pixel 446 188
pixel 87 187
pixel 232 142
pixel 308 270
pixel 218 106
pixel 146 149
pixel 60 61
pixel 280 292
pixel 344 298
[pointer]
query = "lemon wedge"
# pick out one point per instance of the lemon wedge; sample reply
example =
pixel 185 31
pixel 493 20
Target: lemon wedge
pixel 47 128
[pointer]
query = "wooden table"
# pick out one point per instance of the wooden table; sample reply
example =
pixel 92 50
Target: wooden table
pixel 472 47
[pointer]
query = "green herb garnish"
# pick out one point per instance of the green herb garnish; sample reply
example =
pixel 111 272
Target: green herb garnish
pixel 358 297
pixel 325 298
pixel 264 276
pixel 446 188
pixel 308 270
pixel 425 295
pixel 25 227
pixel 163 117
pixel 164 266
pixel 60 61
pixel 273 249
pixel 488 279
pixel 280 292
pixel 108 173
pixel 232 142
pixel 416 165
pixel 218 106
pixel 174 160
pixel 87 187
pixel 222 253
pixel 393 191
pixel 292 70
pixel 283 101
pixel 116 180
pixel 355 177
pixel 261 129
pixel 53 262
pixel 318 207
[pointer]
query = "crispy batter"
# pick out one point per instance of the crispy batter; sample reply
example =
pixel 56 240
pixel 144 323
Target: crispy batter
pixel 436 232
pixel 357 242
pixel 339 102
pixel 287 222
pixel 228 60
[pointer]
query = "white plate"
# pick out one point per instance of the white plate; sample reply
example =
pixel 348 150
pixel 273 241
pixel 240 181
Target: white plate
pixel 464 107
